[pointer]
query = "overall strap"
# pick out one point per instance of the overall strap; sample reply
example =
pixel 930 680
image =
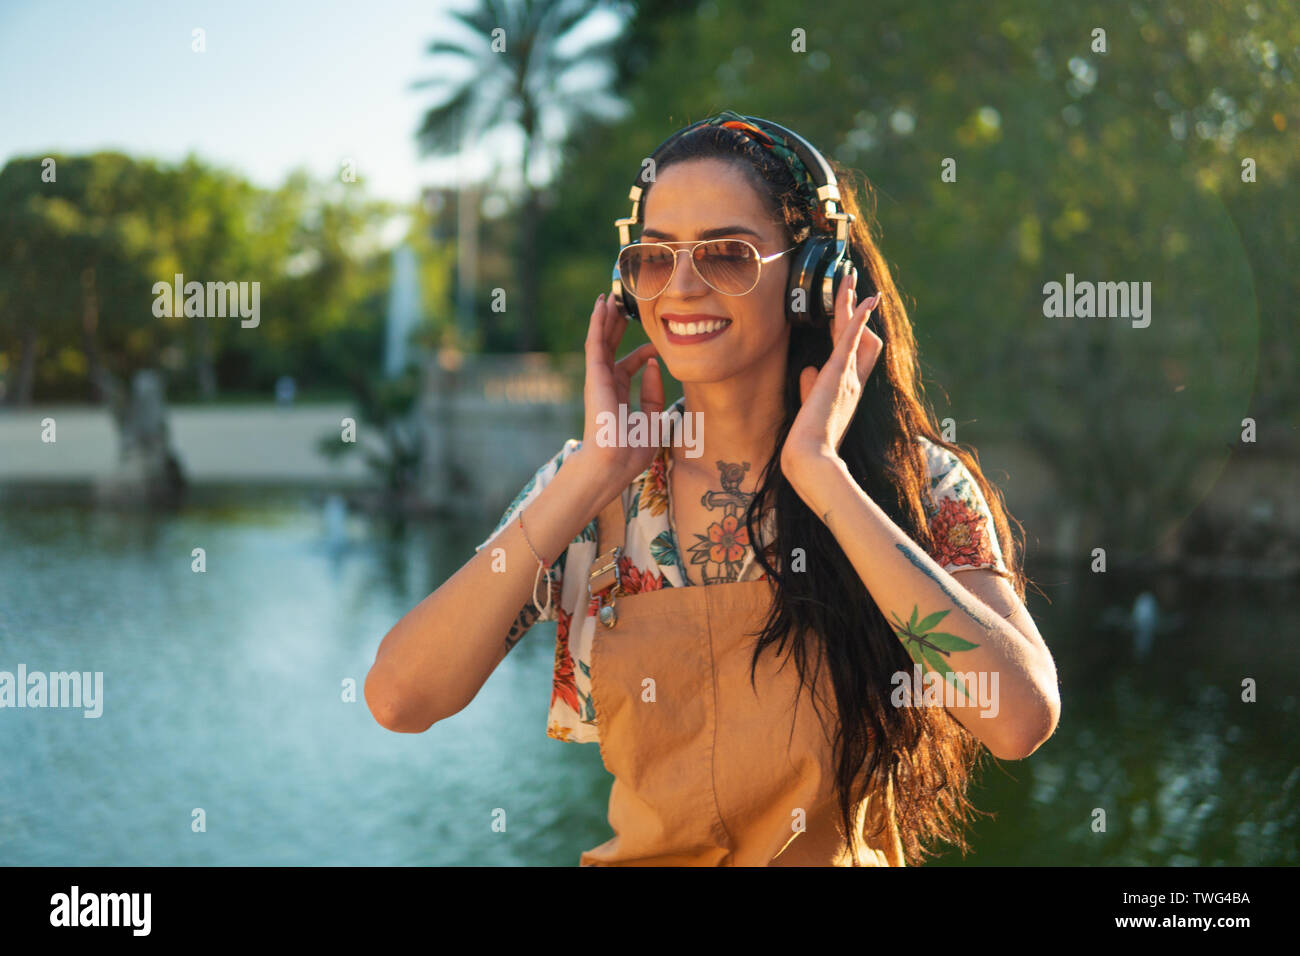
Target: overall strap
pixel 611 527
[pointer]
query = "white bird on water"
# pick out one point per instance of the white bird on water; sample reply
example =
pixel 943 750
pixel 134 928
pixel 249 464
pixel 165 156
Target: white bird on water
pixel 1144 621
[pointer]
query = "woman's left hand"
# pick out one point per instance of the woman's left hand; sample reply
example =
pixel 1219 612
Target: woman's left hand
pixel 828 398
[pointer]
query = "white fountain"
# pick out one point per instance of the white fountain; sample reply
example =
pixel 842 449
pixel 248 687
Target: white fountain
pixel 403 310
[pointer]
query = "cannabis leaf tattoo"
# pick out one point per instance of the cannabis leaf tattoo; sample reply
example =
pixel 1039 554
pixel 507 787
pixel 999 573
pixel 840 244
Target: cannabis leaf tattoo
pixel 930 648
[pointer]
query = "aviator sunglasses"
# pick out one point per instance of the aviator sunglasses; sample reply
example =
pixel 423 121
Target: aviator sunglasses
pixel 729 266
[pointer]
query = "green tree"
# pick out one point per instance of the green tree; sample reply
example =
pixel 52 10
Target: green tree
pixel 79 257
pixel 75 284
pixel 519 77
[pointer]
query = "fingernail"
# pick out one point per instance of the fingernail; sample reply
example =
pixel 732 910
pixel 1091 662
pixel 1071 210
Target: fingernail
pixel 873 301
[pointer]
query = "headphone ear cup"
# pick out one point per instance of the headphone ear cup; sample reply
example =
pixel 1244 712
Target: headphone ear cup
pixel 812 263
pixel 798 292
pixel 629 306
pixel 625 300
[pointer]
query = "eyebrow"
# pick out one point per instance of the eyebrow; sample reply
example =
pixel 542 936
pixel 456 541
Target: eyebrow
pixel 706 234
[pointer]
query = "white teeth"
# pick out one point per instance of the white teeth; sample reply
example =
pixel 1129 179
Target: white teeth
pixel 696 328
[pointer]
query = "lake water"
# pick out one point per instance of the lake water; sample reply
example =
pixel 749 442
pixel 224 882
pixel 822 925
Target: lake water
pixel 223 691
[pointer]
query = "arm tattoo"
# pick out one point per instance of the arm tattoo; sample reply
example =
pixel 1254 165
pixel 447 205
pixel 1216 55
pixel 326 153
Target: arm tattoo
pixel 527 617
pixel 529 614
pixel 964 605
pixel 722 550
pixel 931 649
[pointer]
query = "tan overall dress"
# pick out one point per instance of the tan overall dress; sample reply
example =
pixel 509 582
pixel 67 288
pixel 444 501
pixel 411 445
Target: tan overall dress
pixel 706 772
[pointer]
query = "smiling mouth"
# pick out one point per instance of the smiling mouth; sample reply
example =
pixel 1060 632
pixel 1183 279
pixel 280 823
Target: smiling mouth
pixel 697 330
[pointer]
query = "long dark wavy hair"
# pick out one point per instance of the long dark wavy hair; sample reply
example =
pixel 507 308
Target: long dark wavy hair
pixel 925 757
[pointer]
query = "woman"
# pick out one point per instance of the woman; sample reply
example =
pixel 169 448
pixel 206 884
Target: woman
pixel 883 552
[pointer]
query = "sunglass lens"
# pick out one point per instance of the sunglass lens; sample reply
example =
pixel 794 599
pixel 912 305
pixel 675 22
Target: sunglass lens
pixel 727 265
pixel 645 270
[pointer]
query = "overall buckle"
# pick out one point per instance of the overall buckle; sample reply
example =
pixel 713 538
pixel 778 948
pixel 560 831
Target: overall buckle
pixel 605 574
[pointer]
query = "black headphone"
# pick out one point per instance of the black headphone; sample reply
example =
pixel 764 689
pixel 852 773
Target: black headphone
pixel 819 263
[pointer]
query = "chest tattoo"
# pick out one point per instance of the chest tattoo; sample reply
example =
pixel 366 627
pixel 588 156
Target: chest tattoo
pixel 722 551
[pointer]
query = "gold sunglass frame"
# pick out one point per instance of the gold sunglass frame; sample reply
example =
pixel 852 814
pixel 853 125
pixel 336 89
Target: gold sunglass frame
pixel 695 244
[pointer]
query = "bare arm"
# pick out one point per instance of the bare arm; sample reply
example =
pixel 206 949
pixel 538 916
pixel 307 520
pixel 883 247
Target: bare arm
pixel 975 616
pixel 437 657
pixel 986 631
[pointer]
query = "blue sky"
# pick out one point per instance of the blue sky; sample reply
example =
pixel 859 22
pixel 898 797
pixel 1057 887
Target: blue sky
pixel 281 84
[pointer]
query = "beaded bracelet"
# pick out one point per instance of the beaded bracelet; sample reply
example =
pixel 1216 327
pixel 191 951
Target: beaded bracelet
pixel 542 566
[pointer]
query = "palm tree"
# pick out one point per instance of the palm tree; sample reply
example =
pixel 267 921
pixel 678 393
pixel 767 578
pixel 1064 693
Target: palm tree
pixel 518 79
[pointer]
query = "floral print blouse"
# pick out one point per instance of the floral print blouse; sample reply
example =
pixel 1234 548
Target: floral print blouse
pixel 960 523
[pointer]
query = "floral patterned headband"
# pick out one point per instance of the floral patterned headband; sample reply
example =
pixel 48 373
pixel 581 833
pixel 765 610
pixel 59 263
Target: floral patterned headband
pixel 778 145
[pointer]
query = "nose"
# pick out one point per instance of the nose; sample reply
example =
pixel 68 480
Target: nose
pixel 685 281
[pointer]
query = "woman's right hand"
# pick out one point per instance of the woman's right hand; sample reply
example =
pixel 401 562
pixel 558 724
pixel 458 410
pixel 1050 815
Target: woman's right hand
pixel 609 385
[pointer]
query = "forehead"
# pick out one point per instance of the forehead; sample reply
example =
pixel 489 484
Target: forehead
pixel 699 197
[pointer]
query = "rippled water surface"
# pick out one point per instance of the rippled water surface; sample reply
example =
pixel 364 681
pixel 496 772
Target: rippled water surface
pixel 223 691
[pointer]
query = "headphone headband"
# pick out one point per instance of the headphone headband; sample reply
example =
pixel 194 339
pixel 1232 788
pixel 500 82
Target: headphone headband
pixel 826 186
